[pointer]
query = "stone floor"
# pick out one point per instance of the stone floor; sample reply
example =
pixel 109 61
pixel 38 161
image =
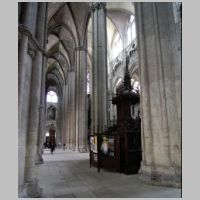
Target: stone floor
pixel 67 174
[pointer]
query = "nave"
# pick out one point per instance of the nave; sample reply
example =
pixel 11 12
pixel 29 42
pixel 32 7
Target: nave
pixel 67 174
pixel 104 77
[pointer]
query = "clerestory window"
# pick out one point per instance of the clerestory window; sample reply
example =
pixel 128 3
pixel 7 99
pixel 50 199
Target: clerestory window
pixel 52 97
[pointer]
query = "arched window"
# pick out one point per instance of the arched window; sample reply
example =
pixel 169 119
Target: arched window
pixel 52 97
pixel 131 32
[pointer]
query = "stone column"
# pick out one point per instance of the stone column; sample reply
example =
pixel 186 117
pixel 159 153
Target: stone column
pixel 67 144
pixel 62 117
pixel 30 17
pixel 99 69
pixel 41 37
pixel 26 52
pixel 160 77
pixel 59 120
pixel 81 98
pixel 32 187
pixel 72 111
pixel 42 116
pixel 44 112
pixel 65 116
pixel 77 71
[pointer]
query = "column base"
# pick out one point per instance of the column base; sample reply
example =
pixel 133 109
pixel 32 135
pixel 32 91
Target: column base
pixel 75 149
pixel 163 176
pixel 31 190
pixel 39 159
pixel 82 150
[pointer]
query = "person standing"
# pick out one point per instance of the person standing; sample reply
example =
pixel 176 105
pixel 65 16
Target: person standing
pixel 52 147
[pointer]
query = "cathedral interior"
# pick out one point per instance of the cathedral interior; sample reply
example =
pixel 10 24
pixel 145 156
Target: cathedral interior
pixel 99 99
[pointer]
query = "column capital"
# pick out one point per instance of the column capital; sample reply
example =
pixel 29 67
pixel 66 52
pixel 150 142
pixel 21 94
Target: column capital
pixel 32 49
pixel 98 5
pixel 71 70
pixel 33 43
pixel 80 48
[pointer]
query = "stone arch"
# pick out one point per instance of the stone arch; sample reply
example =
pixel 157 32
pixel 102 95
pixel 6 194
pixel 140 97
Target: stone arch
pixel 86 23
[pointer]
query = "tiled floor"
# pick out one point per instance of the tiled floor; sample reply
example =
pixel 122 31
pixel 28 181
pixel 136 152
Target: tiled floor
pixel 67 174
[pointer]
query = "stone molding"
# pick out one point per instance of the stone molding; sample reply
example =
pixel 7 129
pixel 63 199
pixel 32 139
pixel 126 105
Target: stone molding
pixel 80 48
pixel 33 45
pixel 99 5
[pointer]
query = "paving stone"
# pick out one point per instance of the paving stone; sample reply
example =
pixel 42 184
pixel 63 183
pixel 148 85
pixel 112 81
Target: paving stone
pixel 71 177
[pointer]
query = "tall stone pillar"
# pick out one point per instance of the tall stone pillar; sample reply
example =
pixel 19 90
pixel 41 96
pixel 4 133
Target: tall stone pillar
pixel 41 35
pixel 72 111
pixel 59 120
pixel 32 187
pixel 160 78
pixel 81 98
pixel 62 118
pixel 26 52
pixel 44 112
pixel 99 69
pixel 67 144
pixel 30 18
pixel 65 115
pixel 42 116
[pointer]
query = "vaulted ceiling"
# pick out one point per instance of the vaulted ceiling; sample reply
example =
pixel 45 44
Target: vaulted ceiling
pixel 68 28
